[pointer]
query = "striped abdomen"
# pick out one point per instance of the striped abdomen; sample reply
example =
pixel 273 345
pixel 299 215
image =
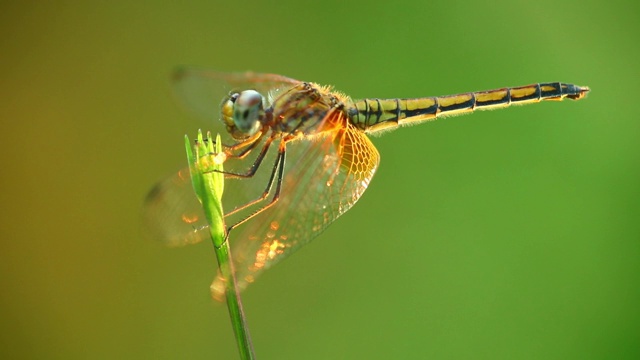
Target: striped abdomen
pixel 374 115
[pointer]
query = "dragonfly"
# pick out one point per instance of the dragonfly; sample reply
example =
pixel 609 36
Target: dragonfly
pixel 298 156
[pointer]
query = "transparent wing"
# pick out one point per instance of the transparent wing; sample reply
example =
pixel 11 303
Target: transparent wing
pixel 324 177
pixel 202 91
pixel 173 215
pixel 172 212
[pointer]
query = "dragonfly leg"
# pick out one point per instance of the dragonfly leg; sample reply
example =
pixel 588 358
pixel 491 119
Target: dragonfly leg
pixel 250 143
pixel 277 164
pixel 256 164
pixel 241 155
pixel 279 167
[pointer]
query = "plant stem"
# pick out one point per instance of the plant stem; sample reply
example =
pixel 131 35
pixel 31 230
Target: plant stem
pixel 208 183
pixel 234 302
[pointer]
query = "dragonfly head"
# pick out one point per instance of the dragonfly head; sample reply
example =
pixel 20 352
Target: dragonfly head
pixel 242 113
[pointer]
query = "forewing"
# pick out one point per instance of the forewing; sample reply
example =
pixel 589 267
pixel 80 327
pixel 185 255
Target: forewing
pixel 324 177
pixel 202 91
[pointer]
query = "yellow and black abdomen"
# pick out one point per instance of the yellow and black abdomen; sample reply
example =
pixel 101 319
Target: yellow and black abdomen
pixel 372 115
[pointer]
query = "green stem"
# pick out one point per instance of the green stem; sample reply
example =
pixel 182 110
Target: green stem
pixel 209 186
pixel 234 303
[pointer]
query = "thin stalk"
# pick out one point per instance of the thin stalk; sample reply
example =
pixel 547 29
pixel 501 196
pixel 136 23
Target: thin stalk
pixel 209 186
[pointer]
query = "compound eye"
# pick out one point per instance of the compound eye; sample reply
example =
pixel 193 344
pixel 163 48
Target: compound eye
pixel 247 111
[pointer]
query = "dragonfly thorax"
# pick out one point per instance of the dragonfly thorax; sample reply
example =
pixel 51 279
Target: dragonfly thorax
pixel 243 113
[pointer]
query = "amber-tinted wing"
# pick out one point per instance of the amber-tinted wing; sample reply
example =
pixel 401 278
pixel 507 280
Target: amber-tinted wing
pixel 324 177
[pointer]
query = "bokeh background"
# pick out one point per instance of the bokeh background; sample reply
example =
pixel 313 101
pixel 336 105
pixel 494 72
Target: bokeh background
pixel 510 234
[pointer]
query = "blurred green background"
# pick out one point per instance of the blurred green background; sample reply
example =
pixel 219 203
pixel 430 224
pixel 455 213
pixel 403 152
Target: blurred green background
pixel 510 234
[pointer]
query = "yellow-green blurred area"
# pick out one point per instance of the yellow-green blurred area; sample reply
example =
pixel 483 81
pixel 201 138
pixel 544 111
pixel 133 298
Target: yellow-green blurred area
pixel 511 234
